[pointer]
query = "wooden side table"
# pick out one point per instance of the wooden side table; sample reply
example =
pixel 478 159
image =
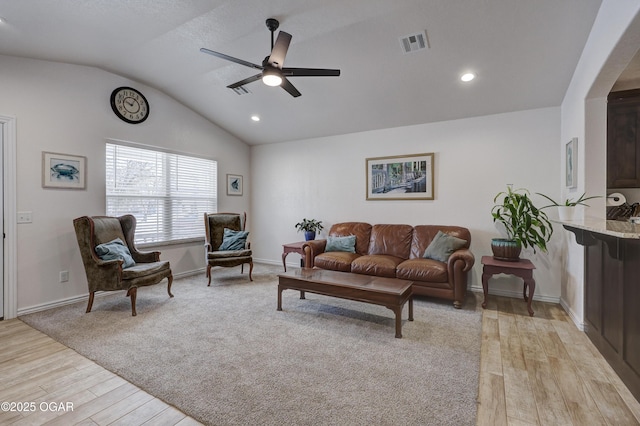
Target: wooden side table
pixel 292 248
pixel 523 268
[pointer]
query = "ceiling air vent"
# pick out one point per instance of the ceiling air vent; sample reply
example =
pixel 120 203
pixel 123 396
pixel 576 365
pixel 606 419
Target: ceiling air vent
pixel 241 90
pixel 414 42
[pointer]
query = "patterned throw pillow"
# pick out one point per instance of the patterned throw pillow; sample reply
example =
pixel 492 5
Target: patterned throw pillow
pixel 115 249
pixel 233 240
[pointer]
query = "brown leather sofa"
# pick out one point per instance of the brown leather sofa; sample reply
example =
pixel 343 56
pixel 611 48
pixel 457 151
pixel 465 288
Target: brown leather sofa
pixel 396 251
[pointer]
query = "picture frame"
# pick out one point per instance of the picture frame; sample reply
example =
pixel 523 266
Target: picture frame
pixel 63 171
pixel 234 184
pixel 400 177
pixel 571 163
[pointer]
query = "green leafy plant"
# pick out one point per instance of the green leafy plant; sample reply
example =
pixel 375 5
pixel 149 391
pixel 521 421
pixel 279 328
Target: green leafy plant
pixel 526 224
pixel 309 225
pixel 568 202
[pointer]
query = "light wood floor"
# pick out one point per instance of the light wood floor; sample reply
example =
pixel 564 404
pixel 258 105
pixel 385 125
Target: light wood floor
pixel 43 373
pixel 539 370
pixel 542 370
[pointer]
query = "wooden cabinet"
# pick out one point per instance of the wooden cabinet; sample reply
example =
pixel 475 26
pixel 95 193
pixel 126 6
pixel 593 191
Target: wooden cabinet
pixel 612 291
pixel 623 139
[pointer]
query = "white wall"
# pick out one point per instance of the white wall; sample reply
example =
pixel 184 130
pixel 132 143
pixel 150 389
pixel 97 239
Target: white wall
pixel 65 108
pixel 474 160
pixel 612 43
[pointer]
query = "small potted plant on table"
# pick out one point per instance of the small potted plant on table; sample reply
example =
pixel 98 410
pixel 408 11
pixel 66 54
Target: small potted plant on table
pixel 526 225
pixel 566 211
pixel 310 227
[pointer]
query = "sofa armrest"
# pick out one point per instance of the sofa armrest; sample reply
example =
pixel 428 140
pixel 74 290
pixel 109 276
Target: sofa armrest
pixel 311 249
pixel 144 256
pixel 104 274
pixel 460 262
pixel 464 255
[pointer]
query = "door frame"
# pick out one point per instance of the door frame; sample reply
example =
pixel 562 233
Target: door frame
pixel 9 278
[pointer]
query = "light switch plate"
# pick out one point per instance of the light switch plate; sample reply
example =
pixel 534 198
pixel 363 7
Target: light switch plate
pixel 24 217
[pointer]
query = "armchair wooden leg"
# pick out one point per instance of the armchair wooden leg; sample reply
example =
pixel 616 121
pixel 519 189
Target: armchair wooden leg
pixel 90 304
pixel 209 275
pixel 250 270
pixel 132 292
pixel 170 278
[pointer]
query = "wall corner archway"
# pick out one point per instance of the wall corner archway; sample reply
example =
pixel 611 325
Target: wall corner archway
pixel 9 158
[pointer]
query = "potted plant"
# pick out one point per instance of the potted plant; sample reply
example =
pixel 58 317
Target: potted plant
pixel 310 227
pixel 566 211
pixel 526 225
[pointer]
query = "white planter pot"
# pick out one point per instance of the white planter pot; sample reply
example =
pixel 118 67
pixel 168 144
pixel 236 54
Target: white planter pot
pixel 567 213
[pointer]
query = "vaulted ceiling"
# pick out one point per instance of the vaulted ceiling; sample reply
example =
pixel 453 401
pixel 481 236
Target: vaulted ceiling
pixel 523 54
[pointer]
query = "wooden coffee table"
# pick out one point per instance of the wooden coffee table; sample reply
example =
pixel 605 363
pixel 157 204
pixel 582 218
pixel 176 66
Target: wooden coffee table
pixel 389 292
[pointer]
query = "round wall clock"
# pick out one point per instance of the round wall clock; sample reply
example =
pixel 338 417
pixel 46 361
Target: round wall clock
pixel 129 105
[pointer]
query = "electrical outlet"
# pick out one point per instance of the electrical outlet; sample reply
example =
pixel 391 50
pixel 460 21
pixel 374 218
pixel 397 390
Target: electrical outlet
pixel 64 276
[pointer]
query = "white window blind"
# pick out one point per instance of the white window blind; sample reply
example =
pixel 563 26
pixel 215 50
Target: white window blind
pixel 166 192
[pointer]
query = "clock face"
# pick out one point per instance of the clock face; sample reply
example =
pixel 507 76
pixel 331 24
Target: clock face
pixel 130 105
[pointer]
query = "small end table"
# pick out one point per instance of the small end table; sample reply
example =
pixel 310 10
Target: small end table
pixel 523 268
pixel 292 248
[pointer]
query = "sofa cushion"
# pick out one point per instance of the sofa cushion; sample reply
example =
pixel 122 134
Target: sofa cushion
pixel 228 253
pixel 140 270
pixel 428 270
pixel 393 240
pixel 335 260
pixel 442 246
pixel 107 229
pixel 347 244
pixel 380 265
pixel 361 230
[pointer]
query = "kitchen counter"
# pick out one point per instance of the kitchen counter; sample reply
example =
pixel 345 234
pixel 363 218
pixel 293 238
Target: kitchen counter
pixel 613 228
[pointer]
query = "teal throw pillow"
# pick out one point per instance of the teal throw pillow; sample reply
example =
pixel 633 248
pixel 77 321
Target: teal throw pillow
pixel 233 240
pixel 347 244
pixel 115 249
pixel 442 246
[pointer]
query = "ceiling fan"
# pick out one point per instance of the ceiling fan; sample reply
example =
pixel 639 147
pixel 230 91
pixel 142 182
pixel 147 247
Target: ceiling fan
pixel 273 73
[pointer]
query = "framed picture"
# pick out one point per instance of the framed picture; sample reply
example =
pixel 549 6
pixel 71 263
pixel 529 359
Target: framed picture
pixel 401 177
pixel 234 185
pixel 571 159
pixel 63 171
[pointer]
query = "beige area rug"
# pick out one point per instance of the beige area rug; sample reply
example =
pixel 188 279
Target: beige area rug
pixel 225 356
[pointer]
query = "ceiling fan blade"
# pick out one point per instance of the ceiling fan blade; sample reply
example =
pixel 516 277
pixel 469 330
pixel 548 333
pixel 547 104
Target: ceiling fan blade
pixel 245 81
pixel 286 85
pixel 310 72
pixel 230 58
pixel 279 50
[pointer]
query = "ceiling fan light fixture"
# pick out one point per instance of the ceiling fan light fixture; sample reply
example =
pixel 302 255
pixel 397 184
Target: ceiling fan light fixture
pixel 271 77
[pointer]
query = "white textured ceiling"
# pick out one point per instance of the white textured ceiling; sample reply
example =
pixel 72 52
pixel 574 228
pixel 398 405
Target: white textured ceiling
pixel 523 52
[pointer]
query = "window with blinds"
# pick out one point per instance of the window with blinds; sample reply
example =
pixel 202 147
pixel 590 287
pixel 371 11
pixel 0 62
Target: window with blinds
pixel 167 193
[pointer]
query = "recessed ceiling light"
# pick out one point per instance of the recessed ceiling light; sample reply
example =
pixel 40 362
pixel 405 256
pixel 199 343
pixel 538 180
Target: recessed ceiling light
pixel 2 20
pixel 255 118
pixel 467 77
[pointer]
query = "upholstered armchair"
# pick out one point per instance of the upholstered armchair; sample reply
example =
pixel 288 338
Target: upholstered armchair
pixel 227 228
pixel 116 274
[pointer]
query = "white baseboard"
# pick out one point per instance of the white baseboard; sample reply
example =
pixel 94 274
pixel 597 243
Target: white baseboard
pixel 576 320
pixel 516 294
pixel 84 297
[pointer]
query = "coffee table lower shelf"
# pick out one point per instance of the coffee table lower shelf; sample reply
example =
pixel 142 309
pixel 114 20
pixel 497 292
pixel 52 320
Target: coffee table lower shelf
pixel 391 293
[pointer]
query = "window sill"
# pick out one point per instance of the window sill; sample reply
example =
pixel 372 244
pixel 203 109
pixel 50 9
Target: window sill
pixel 190 241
